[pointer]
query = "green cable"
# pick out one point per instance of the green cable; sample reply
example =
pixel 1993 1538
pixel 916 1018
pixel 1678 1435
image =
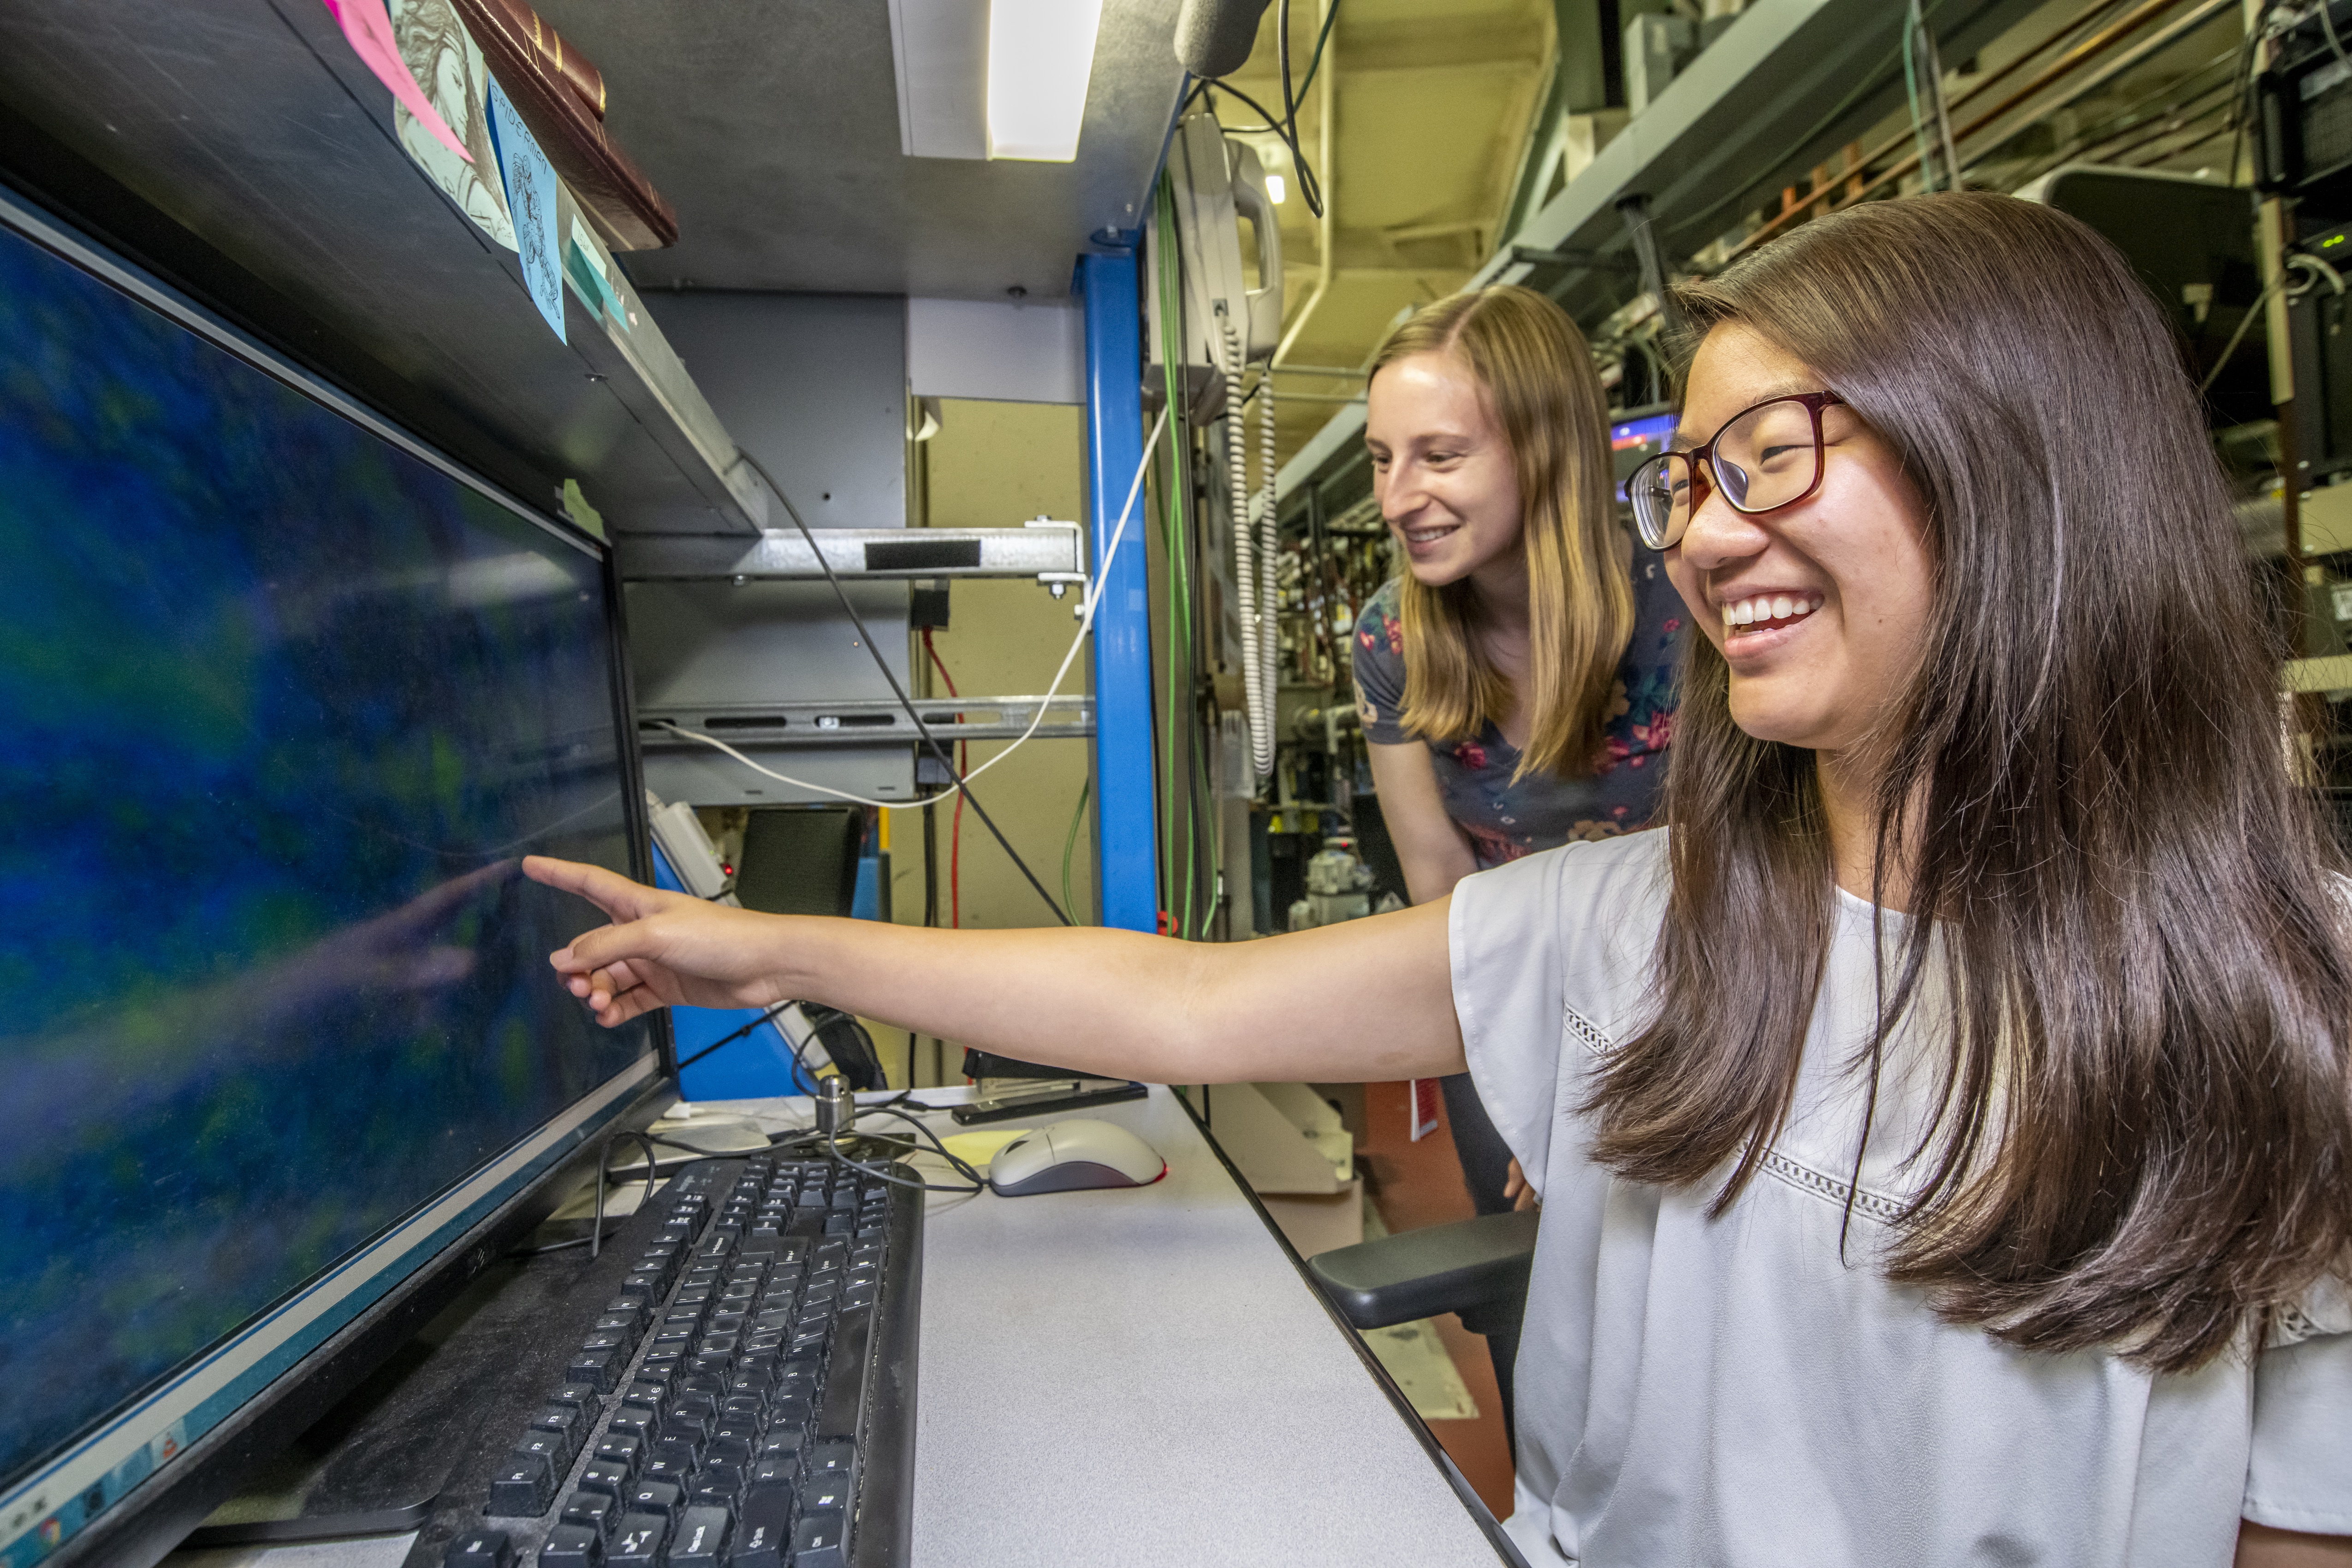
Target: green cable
pixel 1180 620
pixel 1911 98
pixel 1070 844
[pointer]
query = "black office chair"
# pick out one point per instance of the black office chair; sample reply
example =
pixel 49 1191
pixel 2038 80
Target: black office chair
pixel 1476 1267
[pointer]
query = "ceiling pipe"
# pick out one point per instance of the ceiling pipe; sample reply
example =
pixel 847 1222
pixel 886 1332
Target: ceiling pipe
pixel 1327 228
pixel 2063 68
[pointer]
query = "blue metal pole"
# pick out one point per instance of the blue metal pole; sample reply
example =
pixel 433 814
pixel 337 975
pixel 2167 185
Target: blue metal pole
pixel 1126 820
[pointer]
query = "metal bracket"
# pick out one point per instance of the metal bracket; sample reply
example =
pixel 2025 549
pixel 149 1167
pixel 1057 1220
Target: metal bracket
pixel 865 721
pixel 1051 552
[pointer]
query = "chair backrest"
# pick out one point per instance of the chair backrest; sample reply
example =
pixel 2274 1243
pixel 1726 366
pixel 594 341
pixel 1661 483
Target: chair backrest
pixel 800 859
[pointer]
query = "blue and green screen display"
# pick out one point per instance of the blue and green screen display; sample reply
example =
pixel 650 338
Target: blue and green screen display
pixel 281 707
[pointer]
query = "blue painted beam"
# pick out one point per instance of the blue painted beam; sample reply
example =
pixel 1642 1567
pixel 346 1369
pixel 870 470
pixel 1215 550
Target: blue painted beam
pixel 1126 821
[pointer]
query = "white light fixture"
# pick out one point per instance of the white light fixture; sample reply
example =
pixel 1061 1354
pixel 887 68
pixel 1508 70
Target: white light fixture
pixel 1275 189
pixel 1041 54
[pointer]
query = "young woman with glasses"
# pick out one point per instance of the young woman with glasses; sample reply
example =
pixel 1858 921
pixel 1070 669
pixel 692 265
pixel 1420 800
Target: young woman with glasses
pixel 1515 680
pixel 1942 1126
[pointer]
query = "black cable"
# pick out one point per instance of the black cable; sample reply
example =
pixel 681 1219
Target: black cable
pixel 1309 191
pixel 729 1039
pixel 979 1184
pixel 921 729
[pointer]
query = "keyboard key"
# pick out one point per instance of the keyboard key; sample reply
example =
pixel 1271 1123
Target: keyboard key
pixel 731 1435
pixel 761 1528
pixel 656 1497
pixel 669 1460
pixel 594 1511
pixel 603 1476
pixel 572 1546
pixel 824 1494
pixel 691 1428
pixel 726 1476
pixel 831 1458
pixel 580 1396
pixel 638 1543
pixel 784 1470
pixel 555 1447
pixel 622 1451
pixel 633 1420
pixel 524 1486
pixel 621 1326
pixel 565 1421
pixel 701 1539
pixel 598 1366
pixel 783 1444
pixel 820 1543
pixel 480 1549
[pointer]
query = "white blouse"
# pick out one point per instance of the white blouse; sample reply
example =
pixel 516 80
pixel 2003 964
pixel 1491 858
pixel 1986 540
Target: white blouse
pixel 1731 1391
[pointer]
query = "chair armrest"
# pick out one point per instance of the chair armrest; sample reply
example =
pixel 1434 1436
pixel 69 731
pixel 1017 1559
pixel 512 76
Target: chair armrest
pixel 1453 1268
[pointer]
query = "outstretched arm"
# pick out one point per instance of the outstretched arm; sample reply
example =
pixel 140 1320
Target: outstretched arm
pixel 1368 999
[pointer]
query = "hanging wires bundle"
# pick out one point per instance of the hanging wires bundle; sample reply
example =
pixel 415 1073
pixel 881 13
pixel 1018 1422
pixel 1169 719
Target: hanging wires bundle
pixel 1285 125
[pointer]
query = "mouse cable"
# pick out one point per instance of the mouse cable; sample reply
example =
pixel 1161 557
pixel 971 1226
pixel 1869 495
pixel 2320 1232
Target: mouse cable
pixel 921 729
pixel 979 1184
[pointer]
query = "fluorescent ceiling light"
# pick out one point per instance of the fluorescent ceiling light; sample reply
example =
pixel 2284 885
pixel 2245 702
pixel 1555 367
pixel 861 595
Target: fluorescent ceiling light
pixel 1276 189
pixel 1041 54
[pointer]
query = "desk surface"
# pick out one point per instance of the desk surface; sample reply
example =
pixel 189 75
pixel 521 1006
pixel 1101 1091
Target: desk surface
pixel 1136 1376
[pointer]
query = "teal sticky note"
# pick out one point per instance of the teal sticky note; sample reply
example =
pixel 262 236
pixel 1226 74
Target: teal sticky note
pixel 587 272
pixel 531 187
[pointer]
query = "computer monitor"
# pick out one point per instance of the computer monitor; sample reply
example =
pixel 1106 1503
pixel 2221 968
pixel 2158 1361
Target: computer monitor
pixel 286 696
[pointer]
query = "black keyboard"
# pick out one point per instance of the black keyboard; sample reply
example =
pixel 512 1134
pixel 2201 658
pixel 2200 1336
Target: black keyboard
pixel 734 1388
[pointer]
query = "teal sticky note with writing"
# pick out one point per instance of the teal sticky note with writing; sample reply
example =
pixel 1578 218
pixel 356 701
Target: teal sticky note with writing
pixel 531 187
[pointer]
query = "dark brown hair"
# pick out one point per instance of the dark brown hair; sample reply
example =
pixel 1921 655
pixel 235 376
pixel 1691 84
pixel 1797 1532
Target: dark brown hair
pixel 1536 373
pixel 2145 1129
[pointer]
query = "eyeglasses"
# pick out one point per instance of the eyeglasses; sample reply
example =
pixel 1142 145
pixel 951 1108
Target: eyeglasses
pixel 1765 456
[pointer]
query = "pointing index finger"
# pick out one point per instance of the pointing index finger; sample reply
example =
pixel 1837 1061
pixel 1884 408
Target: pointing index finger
pixel 608 891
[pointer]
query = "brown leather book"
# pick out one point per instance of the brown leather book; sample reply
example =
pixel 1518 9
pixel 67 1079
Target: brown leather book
pixel 558 56
pixel 615 195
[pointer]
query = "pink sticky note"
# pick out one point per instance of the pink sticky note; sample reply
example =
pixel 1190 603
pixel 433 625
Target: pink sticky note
pixel 368 30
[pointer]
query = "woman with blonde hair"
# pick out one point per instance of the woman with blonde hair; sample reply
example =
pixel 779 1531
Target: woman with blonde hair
pixel 1517 679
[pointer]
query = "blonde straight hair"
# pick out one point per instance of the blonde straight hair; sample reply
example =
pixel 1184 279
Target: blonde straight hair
pixel 1535 374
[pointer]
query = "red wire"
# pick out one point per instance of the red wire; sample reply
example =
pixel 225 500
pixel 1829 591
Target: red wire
pixel 963 765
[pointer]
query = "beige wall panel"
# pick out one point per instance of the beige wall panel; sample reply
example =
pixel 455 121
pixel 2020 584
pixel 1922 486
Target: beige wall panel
pixel 995 464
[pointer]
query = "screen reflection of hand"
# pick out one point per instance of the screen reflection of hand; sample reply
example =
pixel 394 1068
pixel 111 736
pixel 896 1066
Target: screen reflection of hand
pixel 394 954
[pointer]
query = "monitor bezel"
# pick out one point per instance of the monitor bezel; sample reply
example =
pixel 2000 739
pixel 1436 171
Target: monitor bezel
pixel 152 1517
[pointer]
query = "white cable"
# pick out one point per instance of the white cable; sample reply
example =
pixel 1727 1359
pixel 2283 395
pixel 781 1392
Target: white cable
pixel 1269 658
pixel 1245 571
pixel 1086 624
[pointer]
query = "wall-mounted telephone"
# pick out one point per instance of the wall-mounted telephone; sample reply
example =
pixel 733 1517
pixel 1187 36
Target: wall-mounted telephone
pixel 1228 326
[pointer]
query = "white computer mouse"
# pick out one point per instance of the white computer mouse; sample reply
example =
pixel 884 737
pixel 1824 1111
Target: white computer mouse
pixel 1068 1155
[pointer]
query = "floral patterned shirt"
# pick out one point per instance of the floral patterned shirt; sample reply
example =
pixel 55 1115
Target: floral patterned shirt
pixel 1507 820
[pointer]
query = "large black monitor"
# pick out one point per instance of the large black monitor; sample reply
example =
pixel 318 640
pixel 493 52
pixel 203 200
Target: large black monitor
pixel 284 699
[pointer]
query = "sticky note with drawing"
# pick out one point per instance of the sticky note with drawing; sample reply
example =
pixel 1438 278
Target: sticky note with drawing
pixel 532 198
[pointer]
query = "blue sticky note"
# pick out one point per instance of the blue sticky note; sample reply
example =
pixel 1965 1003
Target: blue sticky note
pixel 531 187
